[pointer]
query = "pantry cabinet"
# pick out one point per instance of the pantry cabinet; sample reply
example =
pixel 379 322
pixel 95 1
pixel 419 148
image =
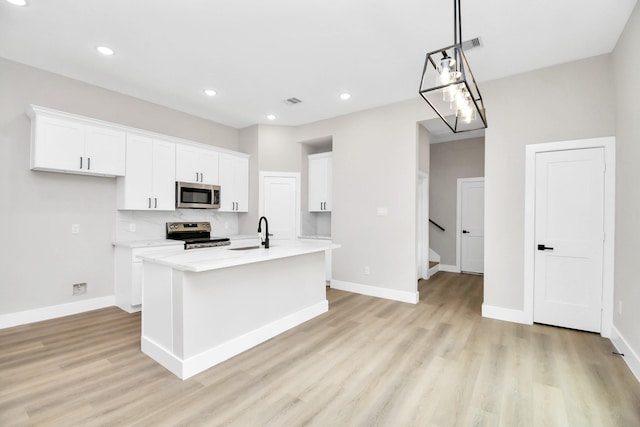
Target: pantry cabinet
pixel 320 168
pixel 149 183
pixel 234 182
pixel 195 164
pixel 62 142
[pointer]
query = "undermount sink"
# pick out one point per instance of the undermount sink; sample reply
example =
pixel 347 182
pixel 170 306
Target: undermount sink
pixel 248 248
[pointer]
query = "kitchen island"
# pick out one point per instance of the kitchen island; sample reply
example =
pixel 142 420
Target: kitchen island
pixel 203 306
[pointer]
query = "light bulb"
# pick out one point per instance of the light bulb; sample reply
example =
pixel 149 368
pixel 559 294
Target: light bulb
pixel 447 65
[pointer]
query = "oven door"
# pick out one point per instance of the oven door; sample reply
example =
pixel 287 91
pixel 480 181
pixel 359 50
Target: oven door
pixel 198 196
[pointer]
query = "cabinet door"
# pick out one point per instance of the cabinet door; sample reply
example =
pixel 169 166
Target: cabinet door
pixel 57 145
pixel 242 184
pixel 104 151
pixel 317 184
pixel 164 181
pixel 136 188
pixel 328 182
pixel 209 167
pixel 320 169
pixel 234 183
pixel 194 164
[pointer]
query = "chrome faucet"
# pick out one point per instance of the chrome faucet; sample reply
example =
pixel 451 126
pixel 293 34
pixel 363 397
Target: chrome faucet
pixel 265 242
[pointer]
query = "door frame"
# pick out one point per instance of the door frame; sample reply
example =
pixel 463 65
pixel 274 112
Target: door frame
pixel 423 226
pixel 459 219
pixel 269 174
pixel 608 144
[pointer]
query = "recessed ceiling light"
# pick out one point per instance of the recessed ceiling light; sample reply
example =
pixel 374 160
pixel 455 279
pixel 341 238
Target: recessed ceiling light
pixel 105 50
pixel 209 92
pixel 271 117
pixel 345 96
pixel 18 2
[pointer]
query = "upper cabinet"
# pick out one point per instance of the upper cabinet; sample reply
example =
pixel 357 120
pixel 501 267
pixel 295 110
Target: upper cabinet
pixel 147 164
pixel 195 164
pixel 149 183
pixel 66 143
pixel 320 166
pixel 234 182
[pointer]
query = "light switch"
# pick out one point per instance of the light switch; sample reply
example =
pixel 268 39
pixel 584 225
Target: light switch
pixel 383 211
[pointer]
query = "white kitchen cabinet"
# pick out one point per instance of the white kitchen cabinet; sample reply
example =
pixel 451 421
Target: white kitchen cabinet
pixel 128 273
pixel 66 143
pixel 195 164
pixel 320 168
pixel 234 183
pixel 149 183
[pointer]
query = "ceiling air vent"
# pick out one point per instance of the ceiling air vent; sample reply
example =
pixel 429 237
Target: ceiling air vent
pixel 471 44
pixel 292 101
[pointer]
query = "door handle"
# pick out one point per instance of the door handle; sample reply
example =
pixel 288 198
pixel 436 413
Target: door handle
pixel 465 232
pixel 544 248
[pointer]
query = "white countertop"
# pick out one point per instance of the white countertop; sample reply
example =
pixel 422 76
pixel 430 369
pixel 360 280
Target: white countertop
pixel 206 259
pixel 133 244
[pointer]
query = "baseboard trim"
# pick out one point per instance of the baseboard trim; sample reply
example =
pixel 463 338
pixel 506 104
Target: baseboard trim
pixel 630 357
pixel 375 291
pixel 52 312
pixel 505 314
pixel 449 268
pixel 186 368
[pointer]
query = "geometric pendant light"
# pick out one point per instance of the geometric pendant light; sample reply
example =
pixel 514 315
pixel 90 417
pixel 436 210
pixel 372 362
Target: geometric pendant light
pixel 449 87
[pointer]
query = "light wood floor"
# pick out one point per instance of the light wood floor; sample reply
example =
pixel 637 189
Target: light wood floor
pixel 367 362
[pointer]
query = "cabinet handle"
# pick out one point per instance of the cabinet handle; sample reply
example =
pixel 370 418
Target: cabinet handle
pixel 88 163
pixel 149 202
pixel 156 202
pixel 80 162
pixel 201 177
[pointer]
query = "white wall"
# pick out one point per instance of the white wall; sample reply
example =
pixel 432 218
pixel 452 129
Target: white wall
pixel 374 166
pixel 40 258
pixel 626 69
pixel 570 101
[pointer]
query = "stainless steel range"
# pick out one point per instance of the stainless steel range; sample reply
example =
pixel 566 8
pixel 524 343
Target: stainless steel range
pixel 195 235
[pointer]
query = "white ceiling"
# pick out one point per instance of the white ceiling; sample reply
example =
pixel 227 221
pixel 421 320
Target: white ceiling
pixel 257 53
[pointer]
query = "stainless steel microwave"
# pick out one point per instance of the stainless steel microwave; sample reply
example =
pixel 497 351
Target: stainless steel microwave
pixel 199 196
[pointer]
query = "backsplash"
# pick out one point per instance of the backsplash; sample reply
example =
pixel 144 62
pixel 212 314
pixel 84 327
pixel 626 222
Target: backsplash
pixel 317 224
pixel 150 225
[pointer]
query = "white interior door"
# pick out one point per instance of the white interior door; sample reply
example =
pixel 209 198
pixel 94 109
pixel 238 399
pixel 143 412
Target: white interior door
pixel 569 235
pixel 472 225
pixel 280 206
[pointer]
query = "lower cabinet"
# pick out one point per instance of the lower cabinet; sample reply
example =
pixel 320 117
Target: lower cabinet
pixel 128 273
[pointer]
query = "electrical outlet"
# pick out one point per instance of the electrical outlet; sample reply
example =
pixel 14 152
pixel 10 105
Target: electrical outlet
pixel 132 227
pixel 79 288
pixel 619 307
pixel 226 225
pixel 75 228
pixel 367 270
